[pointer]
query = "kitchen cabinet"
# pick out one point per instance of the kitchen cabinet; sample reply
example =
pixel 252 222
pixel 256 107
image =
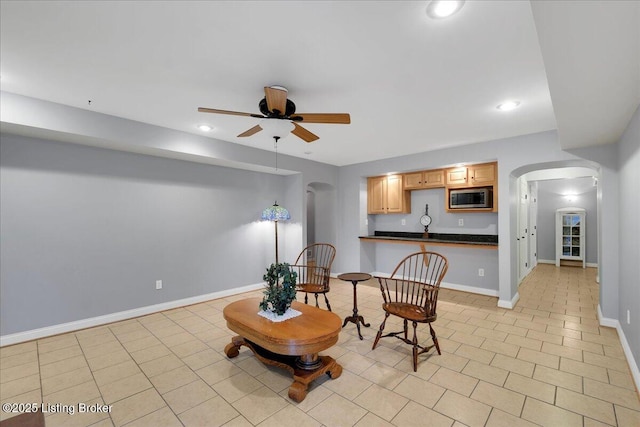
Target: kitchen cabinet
pixel 386 194
pixel 570 235
pixel 481 175
pixel 424 179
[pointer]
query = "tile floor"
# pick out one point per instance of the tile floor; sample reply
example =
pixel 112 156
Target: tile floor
pixel 547 362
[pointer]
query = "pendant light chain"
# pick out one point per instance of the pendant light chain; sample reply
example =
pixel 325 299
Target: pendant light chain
pixel 275 145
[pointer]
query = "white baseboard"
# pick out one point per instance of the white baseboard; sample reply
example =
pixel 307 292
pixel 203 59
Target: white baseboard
pixel 615 323
pixel 509 304
pixel 116 317
pixel 454 286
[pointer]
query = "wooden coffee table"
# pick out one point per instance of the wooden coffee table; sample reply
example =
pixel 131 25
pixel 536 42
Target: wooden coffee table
pixel 293 344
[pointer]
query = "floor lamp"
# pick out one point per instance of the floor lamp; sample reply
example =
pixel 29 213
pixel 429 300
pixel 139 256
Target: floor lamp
pixel 276 213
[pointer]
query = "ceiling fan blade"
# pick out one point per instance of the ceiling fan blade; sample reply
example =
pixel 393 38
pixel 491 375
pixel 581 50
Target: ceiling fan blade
pixel 251 131
pixel 231 113
pixel 303 134
pixel 332 118
pixel 276 99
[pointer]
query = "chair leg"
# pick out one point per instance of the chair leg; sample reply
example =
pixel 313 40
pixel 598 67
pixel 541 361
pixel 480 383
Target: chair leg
pixel 317 300
pixel 379 334
pixel 306 298
pixel 435 340
pixel 405 329
pixel 415 348
pixel 327 302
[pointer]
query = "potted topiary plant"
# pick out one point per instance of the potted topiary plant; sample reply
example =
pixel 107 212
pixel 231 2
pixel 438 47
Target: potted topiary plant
pixel 280 289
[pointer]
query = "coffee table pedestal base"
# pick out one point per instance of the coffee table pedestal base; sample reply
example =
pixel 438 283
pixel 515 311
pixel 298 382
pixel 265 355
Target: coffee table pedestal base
pixel 304 368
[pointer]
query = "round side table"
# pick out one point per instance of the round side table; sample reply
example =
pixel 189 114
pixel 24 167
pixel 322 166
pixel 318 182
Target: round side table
pixel 354 278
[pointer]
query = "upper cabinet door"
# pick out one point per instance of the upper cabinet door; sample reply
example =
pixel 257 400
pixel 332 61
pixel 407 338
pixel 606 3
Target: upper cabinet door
pixel 395 194
pixel 413 180
pixel 433 179
pixel 481 175
pixel 457 176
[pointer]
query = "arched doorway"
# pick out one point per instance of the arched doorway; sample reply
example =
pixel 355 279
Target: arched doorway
pixel 321 213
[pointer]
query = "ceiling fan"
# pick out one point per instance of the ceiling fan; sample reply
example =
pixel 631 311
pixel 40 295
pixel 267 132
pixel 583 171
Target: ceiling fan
pixel 280 112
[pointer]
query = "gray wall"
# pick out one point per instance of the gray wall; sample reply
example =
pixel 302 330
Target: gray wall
pixel 550 198
pixel 87 231
pixel 629 156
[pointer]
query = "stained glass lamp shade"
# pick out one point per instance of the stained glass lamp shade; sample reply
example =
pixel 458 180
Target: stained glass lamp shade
pixel 276 213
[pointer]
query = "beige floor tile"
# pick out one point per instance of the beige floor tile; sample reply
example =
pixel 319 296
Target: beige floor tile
pixel 19 386
pixel 124 387
pixel 499 397
pixel 606 362
pixel 150 353
pixel 384 403
pixel 337 411
pixel 475 353
pixel 108 359
pixel 173 379
pixel 530 387
pixel 17 372
pixel 177 339
pixel 186 397
pixel 627 417
pixel 136 406
pixel 62 366
pixel 621 379
pixel 290 417
pixel 507 349
pixel 468 411
pixel 141 344
pixel 160 365
pixel 19 359
pixel 446 359
pixel 102 349
pixel 586 405
pixel 218 371
pixel 279 379
pixel 259 405
pixel 372 420
pixel 202 358
pixel 237 386
pixel 383 375
pixel 188 348
pixel 452 380
pixel 524 342
pixel 584 369
pixel 499 418
pixel 113 373
pixel 252 366
pixel 58 342
pixel 66 380
pixel 15 349
pixel 486 373
pixel 610 393
pixel 539 358
pixel 415 415
pixel 72 395
pixel 60 354
pixel 420 391
pixel 514 365
pixel 549 415
pixel 355 362
pixel 160 418
pixel 558 378
pixel 348 385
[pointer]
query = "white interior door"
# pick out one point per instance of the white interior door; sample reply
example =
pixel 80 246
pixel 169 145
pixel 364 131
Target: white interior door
pixel 523 229
pixel 533 226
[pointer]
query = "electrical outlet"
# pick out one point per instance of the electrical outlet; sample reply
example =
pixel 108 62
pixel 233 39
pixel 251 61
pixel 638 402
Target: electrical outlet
pixel 158 284
pixel 628 317
pixel 481 272
pixel 403 221
pixel 461 222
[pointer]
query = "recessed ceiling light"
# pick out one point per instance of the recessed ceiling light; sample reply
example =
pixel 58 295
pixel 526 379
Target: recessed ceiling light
pixel 443 8
pixel 204 128
pixel 508 105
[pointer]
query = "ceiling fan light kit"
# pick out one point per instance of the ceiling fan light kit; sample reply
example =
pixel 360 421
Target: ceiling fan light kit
pixel 280 118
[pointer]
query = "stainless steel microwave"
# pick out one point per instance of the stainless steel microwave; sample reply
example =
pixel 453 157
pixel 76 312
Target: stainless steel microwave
pixel 471 198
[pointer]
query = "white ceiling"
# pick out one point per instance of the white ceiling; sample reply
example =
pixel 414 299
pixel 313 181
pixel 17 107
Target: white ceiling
pixel 411 83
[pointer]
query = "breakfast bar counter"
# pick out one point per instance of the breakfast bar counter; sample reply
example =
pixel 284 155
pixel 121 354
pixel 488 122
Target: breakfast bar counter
pixel 478 241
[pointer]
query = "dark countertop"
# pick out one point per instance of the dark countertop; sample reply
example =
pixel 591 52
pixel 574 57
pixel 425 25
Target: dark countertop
pixel 466 239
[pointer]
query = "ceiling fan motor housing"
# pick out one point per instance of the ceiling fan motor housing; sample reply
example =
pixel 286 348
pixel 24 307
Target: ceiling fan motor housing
pixel 289 109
